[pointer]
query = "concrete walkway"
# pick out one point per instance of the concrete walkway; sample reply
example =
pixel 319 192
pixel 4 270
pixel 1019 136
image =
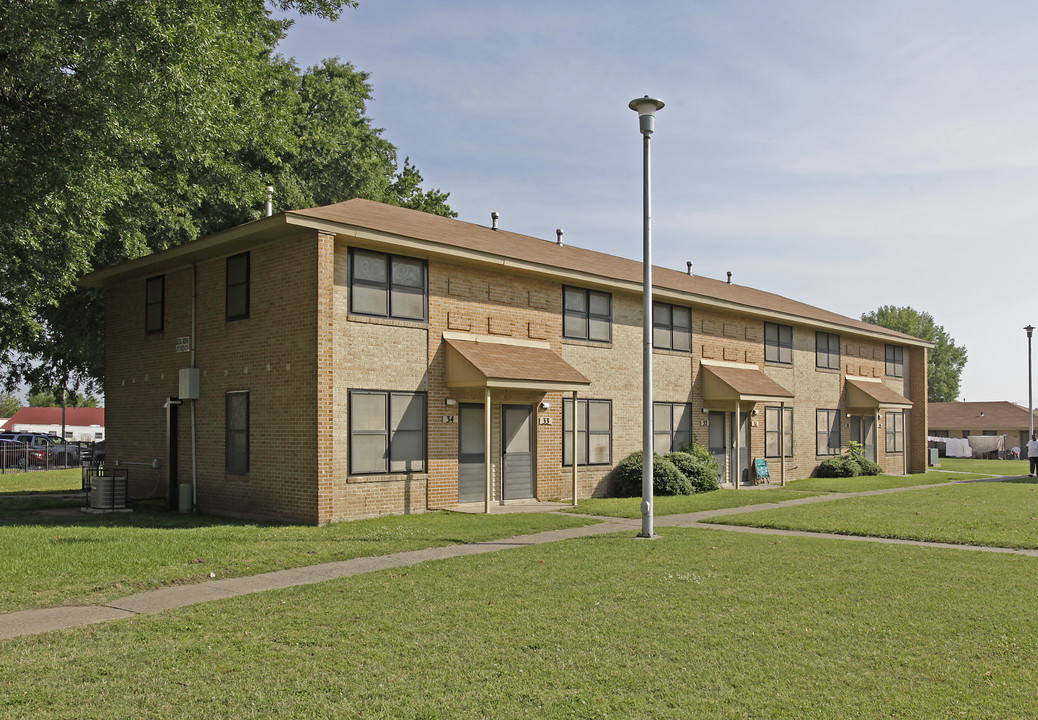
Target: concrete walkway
pixel 30 622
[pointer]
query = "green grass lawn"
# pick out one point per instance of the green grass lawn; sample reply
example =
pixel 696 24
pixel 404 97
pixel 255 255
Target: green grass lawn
pixel 988 467
pixel 697 624
pixel 17 482
pixel 881 482
pixel 54 554
pixel 1001 514
pixel 679 504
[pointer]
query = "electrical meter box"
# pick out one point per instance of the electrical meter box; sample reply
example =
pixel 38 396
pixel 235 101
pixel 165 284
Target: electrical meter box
pixel 189 378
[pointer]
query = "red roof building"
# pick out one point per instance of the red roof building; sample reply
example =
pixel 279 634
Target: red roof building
pixel 86 424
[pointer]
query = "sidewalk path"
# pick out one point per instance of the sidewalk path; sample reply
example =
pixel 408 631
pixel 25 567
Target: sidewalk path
pixel 31 622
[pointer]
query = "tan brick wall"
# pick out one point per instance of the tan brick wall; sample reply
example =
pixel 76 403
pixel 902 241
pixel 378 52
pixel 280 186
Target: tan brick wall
pixel 273 354
pixel 301 352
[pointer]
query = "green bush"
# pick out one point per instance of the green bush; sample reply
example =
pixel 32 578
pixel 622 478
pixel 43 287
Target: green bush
pixel 700 471
pixel 857 451
pixel 868 467
pixel 839 466
pixel 666 478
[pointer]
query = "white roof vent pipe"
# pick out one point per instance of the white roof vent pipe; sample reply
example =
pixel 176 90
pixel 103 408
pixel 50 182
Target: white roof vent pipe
pixel 270 200
pixel 493 220
pixel 558 236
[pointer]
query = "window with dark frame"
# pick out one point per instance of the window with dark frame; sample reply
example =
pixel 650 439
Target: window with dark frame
pixel 778 343
pixel 237 433
pixel 155 304
pixel 671 427
pixel 594 432
pixel 895 361
pixel 827 351
pixel 390 286
pixel 827 427
pixel 771 431
pixel 238 286
pixel 587 314
pixel 895 432
pixel 387 432
pixel 671 327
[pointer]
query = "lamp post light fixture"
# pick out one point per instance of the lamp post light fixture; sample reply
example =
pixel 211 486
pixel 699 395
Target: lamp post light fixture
pixel 646 108
pixel 1030 406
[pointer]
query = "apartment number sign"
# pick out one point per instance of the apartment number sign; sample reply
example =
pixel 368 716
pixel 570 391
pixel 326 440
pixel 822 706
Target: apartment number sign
pixel 184 344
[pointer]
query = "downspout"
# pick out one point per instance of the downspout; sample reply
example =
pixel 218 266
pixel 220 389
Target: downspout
pixel 194 432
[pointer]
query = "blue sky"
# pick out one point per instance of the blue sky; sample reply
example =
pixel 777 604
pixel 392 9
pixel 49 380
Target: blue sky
pixel 845 154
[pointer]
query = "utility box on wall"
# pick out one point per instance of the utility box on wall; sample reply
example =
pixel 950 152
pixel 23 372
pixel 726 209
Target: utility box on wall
pixel 189 381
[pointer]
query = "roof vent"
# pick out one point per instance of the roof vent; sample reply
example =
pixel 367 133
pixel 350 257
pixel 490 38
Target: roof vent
pixel 688 263
pixel 729 277
pixel 493 220
pixel 270 200
pixel 558 236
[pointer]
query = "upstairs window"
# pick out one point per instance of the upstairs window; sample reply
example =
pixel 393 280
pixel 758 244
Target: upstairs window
pixel 587 314
pixel 671 327
pixel 827 351
pixel 778 343
pixel 155 304
pixel 238 287
pixel 387 286
pixel 895 361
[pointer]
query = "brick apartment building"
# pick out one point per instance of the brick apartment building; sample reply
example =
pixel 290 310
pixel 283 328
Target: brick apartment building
pixel 337 362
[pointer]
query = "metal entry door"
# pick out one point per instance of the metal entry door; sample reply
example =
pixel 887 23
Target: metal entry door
pixel 863 430
pixel 517 458
pixel 743 464
pixel 471 460
pixel 718 450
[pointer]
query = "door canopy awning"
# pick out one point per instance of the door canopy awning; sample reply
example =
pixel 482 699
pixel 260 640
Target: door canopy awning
pixel 728 381
pixel 874 395
pixel 521 365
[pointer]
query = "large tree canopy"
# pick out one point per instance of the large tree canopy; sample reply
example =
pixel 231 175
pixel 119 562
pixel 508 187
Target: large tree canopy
pixel 129 126
pixel 946 359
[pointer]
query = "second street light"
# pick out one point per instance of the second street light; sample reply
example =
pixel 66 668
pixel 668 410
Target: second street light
pixel 646 108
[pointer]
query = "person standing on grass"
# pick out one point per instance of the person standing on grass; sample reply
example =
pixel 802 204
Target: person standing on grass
pixel 1032 454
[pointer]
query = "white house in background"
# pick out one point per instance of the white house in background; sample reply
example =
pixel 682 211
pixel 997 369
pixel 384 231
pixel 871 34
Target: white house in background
pixel 81 424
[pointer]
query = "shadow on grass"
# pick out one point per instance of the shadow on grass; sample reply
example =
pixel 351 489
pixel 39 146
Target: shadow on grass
pixel 1022 481
pixel 64 508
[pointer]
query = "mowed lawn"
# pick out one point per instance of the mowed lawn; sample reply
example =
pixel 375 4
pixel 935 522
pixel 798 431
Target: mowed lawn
pixel 53 554
pixel 696 624
pixel 1001 514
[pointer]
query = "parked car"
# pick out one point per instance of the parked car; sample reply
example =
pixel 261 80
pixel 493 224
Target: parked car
pixel 57 452
pixel 15 454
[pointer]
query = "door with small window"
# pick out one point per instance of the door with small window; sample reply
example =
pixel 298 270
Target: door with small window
pixel 517 462
pixel 472 486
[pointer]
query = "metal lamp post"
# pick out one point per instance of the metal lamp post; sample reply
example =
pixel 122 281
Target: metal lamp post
pixel 646 108
pixel 1030 406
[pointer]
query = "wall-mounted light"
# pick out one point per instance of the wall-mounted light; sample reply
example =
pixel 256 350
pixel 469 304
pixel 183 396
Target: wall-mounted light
pixel 754 411
pixel 545 405
pixel 450 401
pixel 706 410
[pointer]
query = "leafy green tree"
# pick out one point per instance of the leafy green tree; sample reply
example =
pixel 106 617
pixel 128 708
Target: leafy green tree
pixel 9 404
pixel 945 360
pixel 51 397
pixel 131 126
